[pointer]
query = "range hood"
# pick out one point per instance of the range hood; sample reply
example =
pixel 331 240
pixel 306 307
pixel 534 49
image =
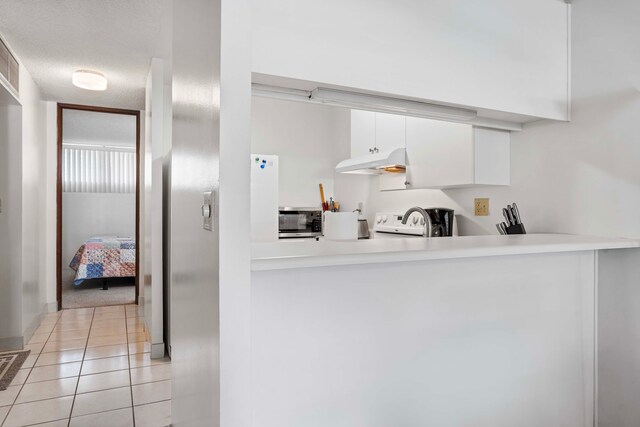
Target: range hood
pixel 375 164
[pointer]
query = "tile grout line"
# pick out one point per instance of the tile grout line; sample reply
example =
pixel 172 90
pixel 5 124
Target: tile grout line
pixel 60 320
pixel 80 371
pixel 126 328
pixel 25 380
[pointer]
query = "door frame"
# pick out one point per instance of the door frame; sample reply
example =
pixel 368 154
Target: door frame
pixel 60 109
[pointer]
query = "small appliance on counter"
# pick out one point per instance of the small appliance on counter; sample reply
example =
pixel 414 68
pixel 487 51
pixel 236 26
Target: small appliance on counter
pixel 363 228
pixel 363 224
pixel 440 222
pixel 299 222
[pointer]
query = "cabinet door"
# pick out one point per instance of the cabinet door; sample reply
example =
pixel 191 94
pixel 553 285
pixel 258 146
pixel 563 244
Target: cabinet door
pixel 492 153
pixel 393 181
pixel 439 154
pixel 390 131
pixel 363 132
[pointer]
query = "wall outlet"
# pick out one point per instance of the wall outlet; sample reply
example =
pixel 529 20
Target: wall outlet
pixel 481 207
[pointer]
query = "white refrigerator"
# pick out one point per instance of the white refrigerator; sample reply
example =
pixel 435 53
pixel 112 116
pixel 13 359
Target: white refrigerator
pixel 264 198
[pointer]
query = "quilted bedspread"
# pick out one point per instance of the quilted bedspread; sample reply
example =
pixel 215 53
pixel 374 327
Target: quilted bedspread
pixel 103 257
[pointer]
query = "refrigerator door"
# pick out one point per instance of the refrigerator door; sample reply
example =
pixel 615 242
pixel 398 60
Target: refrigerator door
pixel 264 197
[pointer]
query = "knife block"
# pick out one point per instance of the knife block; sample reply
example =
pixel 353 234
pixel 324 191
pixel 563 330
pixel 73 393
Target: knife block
pixel 516 229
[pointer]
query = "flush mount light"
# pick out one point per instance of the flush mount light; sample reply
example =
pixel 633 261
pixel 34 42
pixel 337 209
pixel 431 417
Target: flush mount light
pixel 90 80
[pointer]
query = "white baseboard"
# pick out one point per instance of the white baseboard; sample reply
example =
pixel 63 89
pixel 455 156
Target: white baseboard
pixel 35 323
pixel 157 350
pixel 11 343
pixel 52 307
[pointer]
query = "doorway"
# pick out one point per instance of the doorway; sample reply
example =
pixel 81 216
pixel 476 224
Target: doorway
pixel 98 206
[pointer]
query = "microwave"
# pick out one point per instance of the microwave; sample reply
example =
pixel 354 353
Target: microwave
pixel 299 222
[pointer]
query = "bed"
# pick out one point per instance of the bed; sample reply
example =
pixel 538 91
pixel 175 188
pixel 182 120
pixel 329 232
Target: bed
pixel 104 257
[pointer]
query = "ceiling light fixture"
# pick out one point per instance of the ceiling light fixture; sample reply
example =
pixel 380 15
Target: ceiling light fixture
pixel 90 80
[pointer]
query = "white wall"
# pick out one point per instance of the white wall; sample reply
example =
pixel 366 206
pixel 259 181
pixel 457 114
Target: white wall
pixel 310 140
pixel 23 216
pixel 86 215
pixel 151 206
pixel 33 202
pixel 580 177
pixel 496 54
pixel 210 277
pixel 50 171
pixel 195 369
pixel 10 222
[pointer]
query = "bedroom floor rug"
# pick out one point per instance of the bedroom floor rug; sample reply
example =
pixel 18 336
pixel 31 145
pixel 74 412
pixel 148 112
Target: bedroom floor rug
pixel 94 296
pixel 10 364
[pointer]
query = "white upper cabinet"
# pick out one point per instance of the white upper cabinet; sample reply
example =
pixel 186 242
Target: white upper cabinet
pixel 390 131
pixel 499 55
pixel 438 153
pixel 449 155
pixel 375 132
pixel 363 132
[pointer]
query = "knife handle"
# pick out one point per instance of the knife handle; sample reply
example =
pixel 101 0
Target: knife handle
pixel 506 215
pixel 516 213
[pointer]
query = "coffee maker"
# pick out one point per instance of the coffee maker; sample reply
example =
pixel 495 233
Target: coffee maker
pixel 440 222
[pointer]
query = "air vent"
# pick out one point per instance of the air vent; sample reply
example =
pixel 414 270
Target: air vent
pixel 9 67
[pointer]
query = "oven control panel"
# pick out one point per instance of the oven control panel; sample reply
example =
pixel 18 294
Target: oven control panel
pixel 392 223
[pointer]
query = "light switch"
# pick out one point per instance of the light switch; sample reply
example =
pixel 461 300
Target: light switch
pixel 207 210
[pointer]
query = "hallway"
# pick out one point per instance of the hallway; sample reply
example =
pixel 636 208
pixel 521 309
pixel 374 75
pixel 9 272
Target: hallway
pixel 89 367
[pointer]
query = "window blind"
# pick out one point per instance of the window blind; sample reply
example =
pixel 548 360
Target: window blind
pixel 89 170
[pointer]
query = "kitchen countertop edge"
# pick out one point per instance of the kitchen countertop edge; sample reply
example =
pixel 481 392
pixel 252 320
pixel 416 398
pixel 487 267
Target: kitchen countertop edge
pixel 290 255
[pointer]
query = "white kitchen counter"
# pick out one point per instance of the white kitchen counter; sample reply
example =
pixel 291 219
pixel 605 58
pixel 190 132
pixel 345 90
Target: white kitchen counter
pixel 311 253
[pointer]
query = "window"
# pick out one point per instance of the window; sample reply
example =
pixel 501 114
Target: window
pixel 89 169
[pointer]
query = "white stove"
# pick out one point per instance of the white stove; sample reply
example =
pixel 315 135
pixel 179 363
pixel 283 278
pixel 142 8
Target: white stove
pixel 391 223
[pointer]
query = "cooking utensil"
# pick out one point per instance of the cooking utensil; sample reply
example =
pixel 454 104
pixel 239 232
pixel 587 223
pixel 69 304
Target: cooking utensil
pixel 499 229
pixel 503 226
pixel 516 213
pixel 508 216
pixel 322 194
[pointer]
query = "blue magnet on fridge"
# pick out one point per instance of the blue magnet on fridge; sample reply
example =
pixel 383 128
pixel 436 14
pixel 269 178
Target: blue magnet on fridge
pixel 262 166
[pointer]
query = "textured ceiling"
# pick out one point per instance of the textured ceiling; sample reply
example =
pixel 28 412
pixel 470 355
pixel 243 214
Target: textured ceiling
pixel 90 127
pixel 54 38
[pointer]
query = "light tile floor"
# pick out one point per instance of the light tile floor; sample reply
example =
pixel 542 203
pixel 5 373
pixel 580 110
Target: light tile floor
pixel 89 368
